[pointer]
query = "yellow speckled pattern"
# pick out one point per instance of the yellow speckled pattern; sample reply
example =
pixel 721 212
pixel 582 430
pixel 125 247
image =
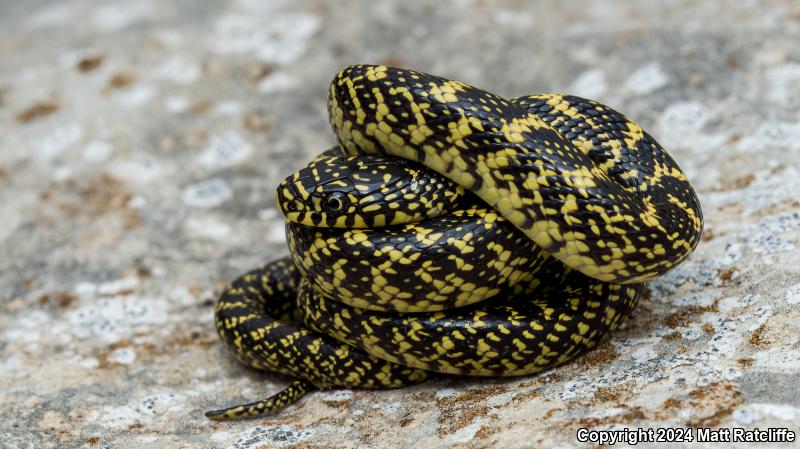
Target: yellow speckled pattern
pixel 362 192
pixel 396 271
pixel 584 182
pixel 507 335
pixel 288 395
pixel 256 318
pixel 440 263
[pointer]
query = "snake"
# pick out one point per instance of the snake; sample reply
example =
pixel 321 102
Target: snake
pixel 454 231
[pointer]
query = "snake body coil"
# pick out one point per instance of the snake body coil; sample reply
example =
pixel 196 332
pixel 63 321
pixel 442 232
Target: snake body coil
pixel 396 271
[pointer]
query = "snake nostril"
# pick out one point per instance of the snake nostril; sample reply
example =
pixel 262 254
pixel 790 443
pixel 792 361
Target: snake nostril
pixel 289 197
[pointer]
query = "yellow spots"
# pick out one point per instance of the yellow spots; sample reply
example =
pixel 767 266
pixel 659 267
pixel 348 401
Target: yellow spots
pixel 427 236
pixel 576 246
pixel 485 349
pixel 357 237
pixel 365 145
pixel 447 343
pixel 463 246
pixel 372 207
pixel 376 73
pixel 381 112
pixel 419 132
pixel 339 274
pixel 569 205
pixel 460 130
pixel 509 203
pixel 341 221
pixel 444 93
pixel 535 184
pixel 494 161
pixel 384 128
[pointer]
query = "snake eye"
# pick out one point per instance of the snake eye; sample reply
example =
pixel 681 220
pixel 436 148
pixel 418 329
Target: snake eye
pixel 336 202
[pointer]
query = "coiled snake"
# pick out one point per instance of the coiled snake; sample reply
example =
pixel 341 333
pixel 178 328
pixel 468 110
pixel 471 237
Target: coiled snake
pixel 459 232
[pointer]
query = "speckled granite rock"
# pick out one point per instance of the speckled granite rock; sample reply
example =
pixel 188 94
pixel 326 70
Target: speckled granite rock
pixel 141 142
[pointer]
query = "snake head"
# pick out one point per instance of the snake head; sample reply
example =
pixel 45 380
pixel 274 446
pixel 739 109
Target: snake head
pixel 363 192
pixel 306 199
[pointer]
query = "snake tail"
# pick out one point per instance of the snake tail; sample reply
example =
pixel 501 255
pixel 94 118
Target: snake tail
pixel 284 398
pixel 256 317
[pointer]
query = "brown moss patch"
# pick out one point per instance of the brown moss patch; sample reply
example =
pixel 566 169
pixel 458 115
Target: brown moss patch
pixel 684 316
pixel 89 63
pixel 120 80
pixel 745 362
pixel 139 271
pixel 552 377
pixel 758 336
pixel 718 399
pixel 726 275
pixel 102 357
pixel 673 336
pixel 61 300
pixel 449 423
pixel 459 411
pixel 604 354
pixel 255 122
pixel 740 182
pixel 193 338
pixel 260 72
pixel 38 110
pixel 525 396
pixel 712 404
pixel 200 107
pixel 779 208
pixel 734 137
pixel 56 425
pixel 485 431
pixel 91 200
pixel 606 394
pixel 632 415
pixel 550 412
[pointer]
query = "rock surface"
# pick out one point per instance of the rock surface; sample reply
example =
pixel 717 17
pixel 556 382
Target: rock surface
pixel 141 142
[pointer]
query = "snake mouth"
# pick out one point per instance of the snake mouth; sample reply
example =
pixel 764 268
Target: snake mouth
pixel 294 209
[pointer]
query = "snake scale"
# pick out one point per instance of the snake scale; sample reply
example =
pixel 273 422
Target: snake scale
pixel 454 231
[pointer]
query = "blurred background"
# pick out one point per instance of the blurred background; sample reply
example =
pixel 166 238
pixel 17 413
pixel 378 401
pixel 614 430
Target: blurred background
pixel 141 142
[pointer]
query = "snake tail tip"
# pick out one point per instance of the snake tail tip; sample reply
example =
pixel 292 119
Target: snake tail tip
pixel 284 398
pixel 217 415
